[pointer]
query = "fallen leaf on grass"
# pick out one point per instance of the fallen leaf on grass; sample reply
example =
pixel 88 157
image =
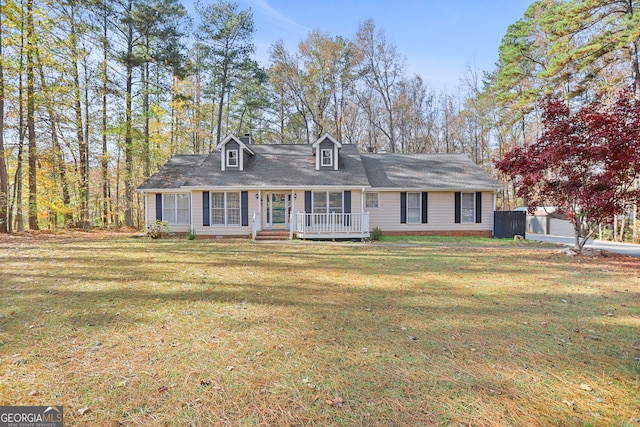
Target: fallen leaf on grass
pixel 586 387
pixel 166 388
pixel 338 402
pixel 83 411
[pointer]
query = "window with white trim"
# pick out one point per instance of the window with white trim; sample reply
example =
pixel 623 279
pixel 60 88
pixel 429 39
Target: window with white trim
pixel 468 207
pixel 414 205
pixel 326 157
pixel 225 208
pixel 328 202
pixel 372 200
pixel 232 158
pixel 176 208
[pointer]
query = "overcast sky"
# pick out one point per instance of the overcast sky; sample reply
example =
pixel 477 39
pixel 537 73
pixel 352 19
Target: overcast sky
pixel 438 38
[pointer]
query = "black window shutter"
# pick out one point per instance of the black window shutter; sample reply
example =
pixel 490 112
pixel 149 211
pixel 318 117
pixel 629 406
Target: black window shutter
pixel 158 207
pixel 347 202
pixel 347 207
pixel 403 207
pixel 244 206
pixel 458 203
pixel 478 207
pixel 308 206
pixel 425 206
pixel 206 213
pixel 307 202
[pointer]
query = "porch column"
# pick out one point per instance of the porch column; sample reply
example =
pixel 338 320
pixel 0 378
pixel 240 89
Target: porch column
pixel 292 217
pixel 260 219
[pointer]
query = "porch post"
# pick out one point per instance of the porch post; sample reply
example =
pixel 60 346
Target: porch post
pixel 260 209
pixel 292 216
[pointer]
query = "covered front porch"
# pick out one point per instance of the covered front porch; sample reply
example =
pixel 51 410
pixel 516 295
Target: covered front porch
pixel 308 215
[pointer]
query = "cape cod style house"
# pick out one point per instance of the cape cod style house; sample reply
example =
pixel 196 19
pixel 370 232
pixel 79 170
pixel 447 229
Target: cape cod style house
pixel 326 190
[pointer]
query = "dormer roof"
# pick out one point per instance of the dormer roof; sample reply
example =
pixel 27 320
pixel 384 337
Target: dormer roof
pixel 323 138
pixel 327 150
pixel 232 137
pixel 234 158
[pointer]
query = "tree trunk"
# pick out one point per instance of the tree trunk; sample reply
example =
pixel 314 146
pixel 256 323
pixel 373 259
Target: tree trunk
pixel 105 153
pixel 4 177
pixel 172 106
pixel 223 84
pixel 128 139
pixel 85 67
pixel 145 107
pixel 17 184
pixel 633 54
pixel 83 182
pixel 58 157
pixel 31 123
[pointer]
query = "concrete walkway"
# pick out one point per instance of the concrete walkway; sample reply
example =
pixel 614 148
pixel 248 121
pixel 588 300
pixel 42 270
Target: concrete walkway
pixel 614 247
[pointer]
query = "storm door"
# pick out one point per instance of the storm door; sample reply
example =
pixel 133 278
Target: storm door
pixel 277 210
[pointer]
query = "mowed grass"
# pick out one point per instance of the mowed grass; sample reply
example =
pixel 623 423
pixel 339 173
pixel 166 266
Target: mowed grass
pixel 134 332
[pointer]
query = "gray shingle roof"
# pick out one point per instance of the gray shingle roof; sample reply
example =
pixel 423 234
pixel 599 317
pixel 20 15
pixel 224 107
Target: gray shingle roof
pixel 426 171
pixel 282 165
pixel 272 166
pixel 174 173
pixel 294 166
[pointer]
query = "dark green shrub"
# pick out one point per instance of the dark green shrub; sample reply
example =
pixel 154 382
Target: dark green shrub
pixel 376 233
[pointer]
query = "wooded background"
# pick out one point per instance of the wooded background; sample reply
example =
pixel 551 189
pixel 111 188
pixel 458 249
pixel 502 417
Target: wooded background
pixel 95 95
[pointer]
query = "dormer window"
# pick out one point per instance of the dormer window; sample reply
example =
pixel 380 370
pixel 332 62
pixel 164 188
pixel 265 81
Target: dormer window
pixel 326 157
pixel 326 151
pixel 232 158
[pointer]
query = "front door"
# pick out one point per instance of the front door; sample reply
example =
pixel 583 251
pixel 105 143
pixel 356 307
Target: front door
pixel 277 210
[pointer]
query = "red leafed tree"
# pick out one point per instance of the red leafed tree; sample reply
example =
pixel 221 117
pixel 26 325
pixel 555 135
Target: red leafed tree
pixel 585 163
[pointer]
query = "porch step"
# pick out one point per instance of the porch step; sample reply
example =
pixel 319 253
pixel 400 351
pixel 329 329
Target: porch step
pixel 272 235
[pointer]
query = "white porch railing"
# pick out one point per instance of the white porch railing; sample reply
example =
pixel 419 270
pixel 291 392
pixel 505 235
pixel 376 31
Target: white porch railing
pixel 331 225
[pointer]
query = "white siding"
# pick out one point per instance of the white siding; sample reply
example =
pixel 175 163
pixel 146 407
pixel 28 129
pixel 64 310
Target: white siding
pixel 387 216
pixel 150 203
pixel 201 230
pixel 441 208
pixel 150 214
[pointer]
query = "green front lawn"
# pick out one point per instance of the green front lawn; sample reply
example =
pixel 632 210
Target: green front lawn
pixel 137 332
